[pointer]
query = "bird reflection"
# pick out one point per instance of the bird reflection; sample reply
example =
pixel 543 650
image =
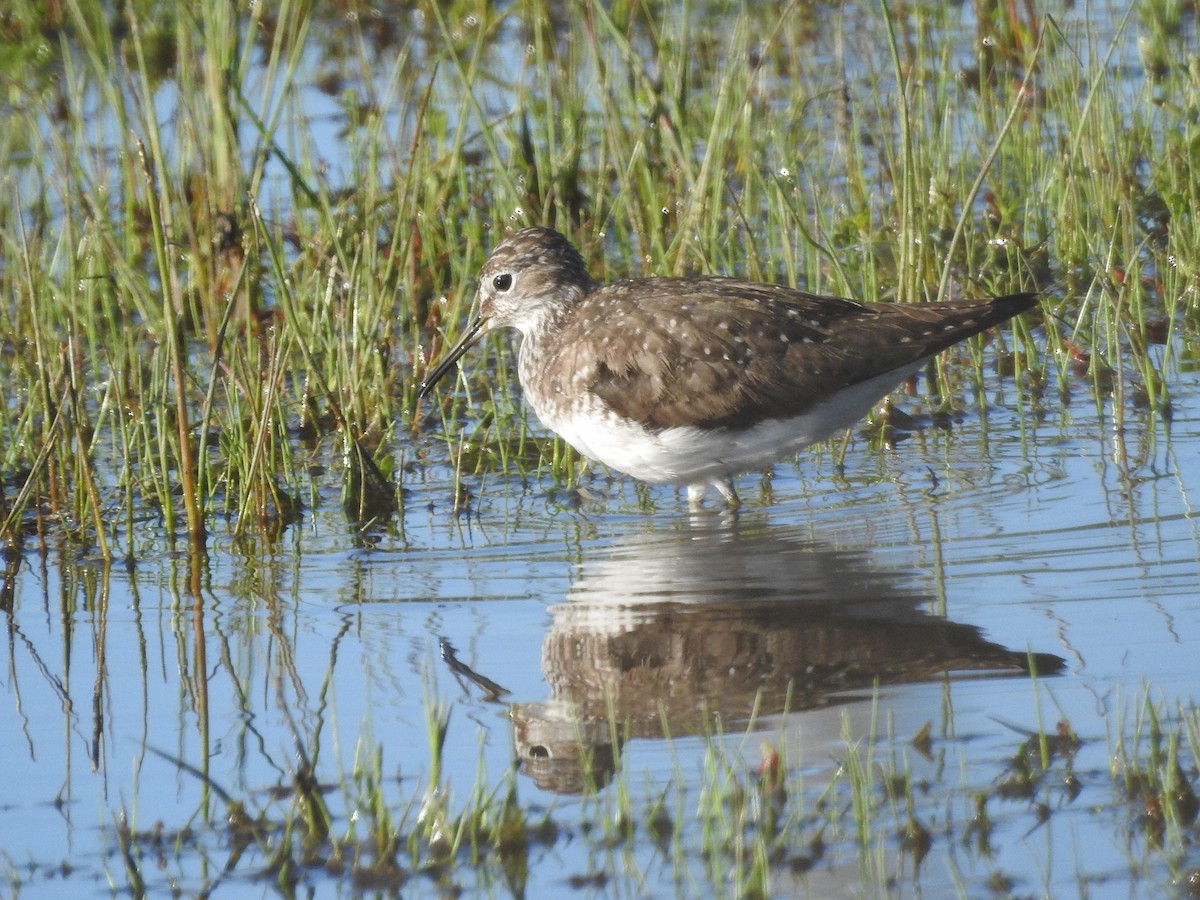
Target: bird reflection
pixel 673 631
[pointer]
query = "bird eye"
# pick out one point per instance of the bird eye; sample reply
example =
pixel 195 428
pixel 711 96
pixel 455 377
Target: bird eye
pixel 502 282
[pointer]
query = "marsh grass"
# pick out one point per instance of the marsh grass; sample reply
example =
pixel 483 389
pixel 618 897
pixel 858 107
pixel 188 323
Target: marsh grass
pixel 742 825
pixel 216 314
pixel 203 305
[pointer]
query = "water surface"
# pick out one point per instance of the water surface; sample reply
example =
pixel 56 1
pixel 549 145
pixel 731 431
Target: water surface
pixel 599 641
pixel 932 568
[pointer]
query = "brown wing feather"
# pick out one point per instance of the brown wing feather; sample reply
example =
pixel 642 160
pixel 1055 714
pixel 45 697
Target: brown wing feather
pixel 726 353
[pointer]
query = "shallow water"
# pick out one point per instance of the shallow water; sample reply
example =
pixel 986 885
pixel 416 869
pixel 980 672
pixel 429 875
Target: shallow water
pixel 907 587
pixel 955 552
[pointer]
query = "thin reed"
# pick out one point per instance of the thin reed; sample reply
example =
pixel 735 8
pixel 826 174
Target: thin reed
pixel 234 237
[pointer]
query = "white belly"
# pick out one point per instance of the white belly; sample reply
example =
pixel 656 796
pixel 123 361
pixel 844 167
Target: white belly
pixel 689 455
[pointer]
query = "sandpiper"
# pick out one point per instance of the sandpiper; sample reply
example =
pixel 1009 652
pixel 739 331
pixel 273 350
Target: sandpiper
pixel 692 381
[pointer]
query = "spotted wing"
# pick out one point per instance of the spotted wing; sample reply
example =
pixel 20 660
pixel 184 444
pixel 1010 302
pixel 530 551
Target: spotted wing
pixel 720 352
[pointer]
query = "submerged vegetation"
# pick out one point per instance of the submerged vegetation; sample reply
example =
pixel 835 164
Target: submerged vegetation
pixel 234 235
pixel 752 827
